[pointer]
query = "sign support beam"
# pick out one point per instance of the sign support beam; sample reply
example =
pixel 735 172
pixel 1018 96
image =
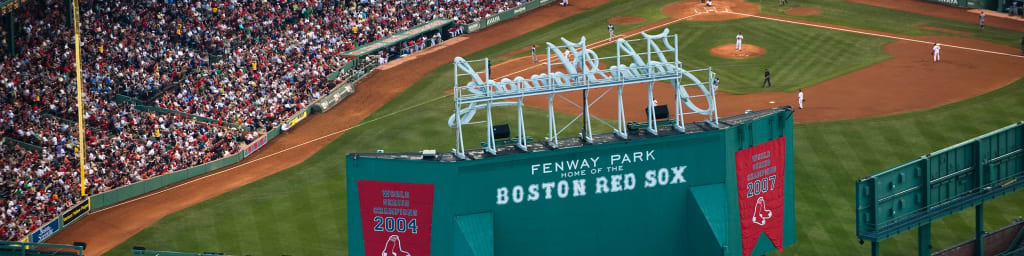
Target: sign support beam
pixel 924 240
pixel 573 67
pixel 979 235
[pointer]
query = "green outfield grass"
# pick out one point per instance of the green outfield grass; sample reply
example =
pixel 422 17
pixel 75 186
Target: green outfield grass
pixel 831 156
pixel 798 56
pixel 856 15
pixel 302 211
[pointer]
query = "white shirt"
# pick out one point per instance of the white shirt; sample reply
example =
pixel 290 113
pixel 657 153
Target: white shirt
pixel 739 38
pixel 935 49
pixel 800 95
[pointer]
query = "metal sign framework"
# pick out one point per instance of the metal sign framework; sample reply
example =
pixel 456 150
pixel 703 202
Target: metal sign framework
pixel 658 62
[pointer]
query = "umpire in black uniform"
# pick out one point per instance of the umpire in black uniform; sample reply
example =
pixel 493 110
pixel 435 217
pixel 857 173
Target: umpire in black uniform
pixel 767 79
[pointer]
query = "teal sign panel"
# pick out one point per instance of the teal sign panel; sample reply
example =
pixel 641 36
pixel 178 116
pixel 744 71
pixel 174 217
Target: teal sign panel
pixel 940 184
pixel 668 195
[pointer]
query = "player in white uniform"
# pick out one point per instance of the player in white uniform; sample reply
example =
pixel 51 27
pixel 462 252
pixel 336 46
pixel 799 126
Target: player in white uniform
pixel 935 53
pixel 800 98
pixel 533 52
pixel 611 32
pixel 739 42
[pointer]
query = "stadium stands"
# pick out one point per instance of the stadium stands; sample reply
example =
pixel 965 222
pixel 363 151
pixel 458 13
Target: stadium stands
pixel 251 63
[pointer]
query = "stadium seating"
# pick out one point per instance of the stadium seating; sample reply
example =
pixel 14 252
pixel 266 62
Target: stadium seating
pixel 251 64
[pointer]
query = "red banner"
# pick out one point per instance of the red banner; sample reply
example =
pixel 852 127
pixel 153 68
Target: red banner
pixel 256 144
pixel 760 174
pixel 395 217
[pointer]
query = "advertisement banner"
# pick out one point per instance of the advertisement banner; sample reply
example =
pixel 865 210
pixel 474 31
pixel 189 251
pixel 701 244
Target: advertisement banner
pixel 396 217
pixel 760 174
pixel 495 19
pixel 45 231
pixel 257 144
pixel 298 118
pixel 76 212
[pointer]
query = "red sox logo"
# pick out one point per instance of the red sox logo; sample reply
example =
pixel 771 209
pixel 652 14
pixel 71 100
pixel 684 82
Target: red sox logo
pixel 761 212
pixel 394 247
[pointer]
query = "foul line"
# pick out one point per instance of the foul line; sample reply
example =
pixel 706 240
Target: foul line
pixel 595 45
pixel 873 34
pixel 600 43
pixel 272 154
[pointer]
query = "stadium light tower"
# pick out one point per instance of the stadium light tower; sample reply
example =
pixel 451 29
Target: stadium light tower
pixel 78 86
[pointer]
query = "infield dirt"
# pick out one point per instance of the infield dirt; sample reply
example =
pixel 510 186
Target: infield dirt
pixel 729 51
pixel 906 82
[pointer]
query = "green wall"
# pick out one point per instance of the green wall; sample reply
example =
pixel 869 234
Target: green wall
pixel 664 219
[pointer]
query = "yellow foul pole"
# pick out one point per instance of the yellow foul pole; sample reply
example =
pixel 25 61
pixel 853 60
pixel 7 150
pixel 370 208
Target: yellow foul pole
pixel 78 84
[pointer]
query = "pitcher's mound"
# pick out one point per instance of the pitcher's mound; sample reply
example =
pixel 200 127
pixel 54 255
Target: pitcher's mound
pixel 626 20
pixel 800 11
pixel 729 51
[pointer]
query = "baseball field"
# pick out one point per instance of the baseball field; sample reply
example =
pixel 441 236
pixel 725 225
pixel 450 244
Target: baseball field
pixel 875 99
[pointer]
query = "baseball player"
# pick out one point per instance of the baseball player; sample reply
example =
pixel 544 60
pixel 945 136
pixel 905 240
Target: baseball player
pixel 611 32
pixel 739 42
pixel 981 20
pixel 767 79
pixel 800 98
pixel 935 53
pixel 533 52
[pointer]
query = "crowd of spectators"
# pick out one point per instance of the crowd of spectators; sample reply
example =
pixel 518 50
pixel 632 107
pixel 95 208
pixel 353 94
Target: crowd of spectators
pixel 246 62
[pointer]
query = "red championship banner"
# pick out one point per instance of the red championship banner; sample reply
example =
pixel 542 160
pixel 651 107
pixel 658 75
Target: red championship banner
pixel 395 217
pixel 760 173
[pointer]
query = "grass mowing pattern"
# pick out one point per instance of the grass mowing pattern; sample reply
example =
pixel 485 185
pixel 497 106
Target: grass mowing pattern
pixel 301 210
pixel 798 56
pixel 856 15
pixel 831 156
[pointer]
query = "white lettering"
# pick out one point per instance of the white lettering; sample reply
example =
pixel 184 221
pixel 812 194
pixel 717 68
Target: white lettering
pixel 678 174
pixel 502 196
pixel 533 194
pixel 616 183
pixel 626 181
pixel 517 194
pixel 629 182
pixel 547 189
pixel 650 181
pixel 563 189
pixel 663 176
pixel 579 187
pixel 602 185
